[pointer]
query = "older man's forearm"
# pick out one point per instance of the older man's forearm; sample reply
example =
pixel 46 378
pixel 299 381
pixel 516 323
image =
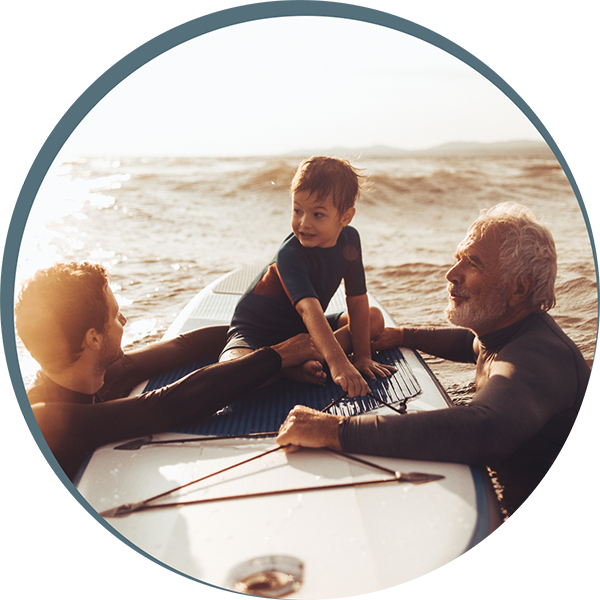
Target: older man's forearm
pixel 463 435
pixel 451 343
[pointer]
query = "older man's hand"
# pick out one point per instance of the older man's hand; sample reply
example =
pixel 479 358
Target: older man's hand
pixel 391 337
pixel 309 428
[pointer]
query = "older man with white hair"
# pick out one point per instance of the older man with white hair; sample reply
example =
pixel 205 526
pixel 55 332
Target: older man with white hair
pixel 530 377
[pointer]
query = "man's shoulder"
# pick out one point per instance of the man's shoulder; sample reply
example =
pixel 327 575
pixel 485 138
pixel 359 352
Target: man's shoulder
pixel 542 341
pixel 542 326
pixel 44 390
pixel 40 389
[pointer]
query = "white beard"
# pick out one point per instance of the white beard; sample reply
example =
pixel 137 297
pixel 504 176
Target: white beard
pixel 477 312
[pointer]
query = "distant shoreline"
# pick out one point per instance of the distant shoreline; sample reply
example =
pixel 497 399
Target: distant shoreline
pixel 510 148
pixel 515 148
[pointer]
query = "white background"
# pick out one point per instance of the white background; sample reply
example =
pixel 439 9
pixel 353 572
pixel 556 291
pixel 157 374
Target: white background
pixel 41 44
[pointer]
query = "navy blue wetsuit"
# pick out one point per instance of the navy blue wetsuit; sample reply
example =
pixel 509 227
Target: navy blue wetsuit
pixel 266 313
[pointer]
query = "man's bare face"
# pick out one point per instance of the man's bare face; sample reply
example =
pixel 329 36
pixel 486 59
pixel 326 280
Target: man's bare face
pixel 112 335
pixel 477 300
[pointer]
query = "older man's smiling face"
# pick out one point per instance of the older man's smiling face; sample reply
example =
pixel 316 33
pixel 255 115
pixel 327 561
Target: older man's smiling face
pixel 477 299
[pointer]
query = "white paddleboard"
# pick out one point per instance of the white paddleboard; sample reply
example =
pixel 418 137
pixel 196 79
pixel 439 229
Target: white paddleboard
pixel 321 535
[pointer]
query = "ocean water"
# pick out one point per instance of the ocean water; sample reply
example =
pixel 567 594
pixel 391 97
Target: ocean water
pixel 166 227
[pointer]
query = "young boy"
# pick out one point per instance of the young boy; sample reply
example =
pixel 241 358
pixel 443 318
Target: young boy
pixel 292 292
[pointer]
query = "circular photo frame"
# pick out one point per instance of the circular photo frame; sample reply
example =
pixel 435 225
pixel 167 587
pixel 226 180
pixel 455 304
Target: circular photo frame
pixel 432 173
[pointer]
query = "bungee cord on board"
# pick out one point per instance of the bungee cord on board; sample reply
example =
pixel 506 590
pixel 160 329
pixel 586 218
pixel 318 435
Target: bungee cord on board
pixel 130 508
pixel 414 478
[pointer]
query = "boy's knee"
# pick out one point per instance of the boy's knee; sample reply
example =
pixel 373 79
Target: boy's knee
pixel 377 322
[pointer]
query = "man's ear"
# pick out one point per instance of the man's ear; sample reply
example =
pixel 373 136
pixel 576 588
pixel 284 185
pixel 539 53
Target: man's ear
pixel 92 339
pixel 521 291
pixel 348 216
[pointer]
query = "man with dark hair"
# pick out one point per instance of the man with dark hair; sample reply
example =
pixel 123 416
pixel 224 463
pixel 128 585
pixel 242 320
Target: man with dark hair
pixel 59 308
pixel 530 377
pixel 69 319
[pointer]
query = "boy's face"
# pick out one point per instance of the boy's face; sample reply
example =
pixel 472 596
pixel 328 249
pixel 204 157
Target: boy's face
pixel 316 222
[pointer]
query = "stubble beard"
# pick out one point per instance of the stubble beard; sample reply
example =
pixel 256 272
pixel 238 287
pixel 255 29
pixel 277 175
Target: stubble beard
pixel 110 354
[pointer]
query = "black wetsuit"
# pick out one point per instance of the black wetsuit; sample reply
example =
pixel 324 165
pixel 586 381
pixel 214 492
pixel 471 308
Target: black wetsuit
pixel 75 424
pixel 530 382
pixel 266 314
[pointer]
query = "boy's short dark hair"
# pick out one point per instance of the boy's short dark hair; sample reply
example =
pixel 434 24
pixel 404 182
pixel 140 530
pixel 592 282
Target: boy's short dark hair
pixel 324 176
pixel 56 307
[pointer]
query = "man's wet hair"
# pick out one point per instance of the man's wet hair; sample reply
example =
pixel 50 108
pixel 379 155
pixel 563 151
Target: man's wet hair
pixel 56 307
pixel 526 249
pixel 323 176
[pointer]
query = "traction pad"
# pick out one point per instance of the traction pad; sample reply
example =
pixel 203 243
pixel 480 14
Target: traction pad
pixel 264 410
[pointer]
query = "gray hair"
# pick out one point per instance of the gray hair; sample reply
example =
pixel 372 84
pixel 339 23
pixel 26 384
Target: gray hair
pixel 526 249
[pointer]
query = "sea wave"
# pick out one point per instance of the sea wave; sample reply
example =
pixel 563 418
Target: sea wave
pixel 167 226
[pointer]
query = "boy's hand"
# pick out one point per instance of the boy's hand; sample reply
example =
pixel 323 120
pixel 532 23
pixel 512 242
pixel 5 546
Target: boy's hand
pixel 350 379
pixel 371 369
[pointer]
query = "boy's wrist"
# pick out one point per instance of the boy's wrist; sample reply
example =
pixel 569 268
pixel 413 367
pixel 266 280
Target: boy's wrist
pixel 360 356
pixel 361 345
pixel 337 360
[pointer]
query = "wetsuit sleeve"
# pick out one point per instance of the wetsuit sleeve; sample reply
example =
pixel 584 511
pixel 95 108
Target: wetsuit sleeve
pixel 523 393
pixel 293 271
pixel 451 343
pixel 139 365
pixel 74 430
pixel 355 281
pixel 483 432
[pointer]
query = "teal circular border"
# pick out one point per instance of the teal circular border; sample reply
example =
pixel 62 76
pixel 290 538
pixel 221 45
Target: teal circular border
pixel 86 101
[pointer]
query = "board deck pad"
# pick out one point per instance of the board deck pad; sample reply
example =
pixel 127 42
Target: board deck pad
pixel 264 410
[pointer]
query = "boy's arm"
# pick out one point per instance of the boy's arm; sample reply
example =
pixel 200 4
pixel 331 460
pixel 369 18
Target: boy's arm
pixel 342 370
pixel 360 329
pixel 360 335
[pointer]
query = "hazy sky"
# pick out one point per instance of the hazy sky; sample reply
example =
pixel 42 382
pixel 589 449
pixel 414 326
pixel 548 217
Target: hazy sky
pixel 284 84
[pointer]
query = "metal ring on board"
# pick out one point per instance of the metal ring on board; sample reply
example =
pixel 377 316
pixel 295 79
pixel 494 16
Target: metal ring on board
pixel 267 576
